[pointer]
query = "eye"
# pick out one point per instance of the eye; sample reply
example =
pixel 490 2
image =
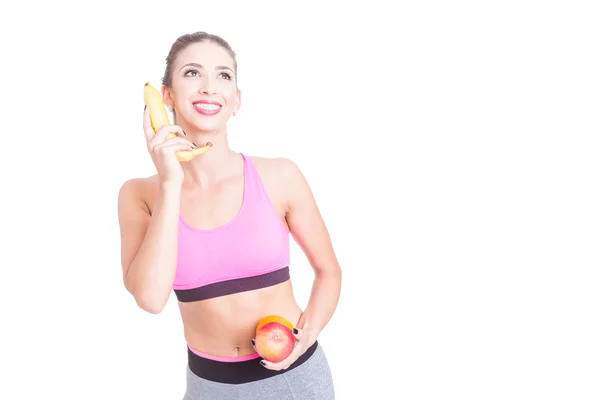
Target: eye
pixel 191 72
pixel 225 75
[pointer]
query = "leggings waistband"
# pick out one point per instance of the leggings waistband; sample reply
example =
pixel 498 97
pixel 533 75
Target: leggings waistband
pixel 223 359
pixel 218 369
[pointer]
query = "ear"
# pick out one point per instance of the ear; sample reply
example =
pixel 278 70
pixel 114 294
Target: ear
pixel 166 94
pixel 238 100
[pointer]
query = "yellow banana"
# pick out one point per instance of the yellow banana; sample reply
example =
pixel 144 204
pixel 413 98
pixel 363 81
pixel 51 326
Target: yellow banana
pixel 159 118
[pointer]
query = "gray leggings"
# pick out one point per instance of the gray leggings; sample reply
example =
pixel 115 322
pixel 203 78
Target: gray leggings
pixel 310 380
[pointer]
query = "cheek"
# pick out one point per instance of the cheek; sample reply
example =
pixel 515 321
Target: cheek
pixel 182 92
pixel 229 92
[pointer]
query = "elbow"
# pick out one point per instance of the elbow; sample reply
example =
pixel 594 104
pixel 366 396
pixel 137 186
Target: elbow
pixel 149 302
pixel 332 274
pixel 333 271
pixel 152 308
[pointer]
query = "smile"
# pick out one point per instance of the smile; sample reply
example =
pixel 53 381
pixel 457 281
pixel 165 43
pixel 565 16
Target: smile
pixel 207 107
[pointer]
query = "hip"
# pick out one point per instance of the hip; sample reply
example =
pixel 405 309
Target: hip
pixel 309 378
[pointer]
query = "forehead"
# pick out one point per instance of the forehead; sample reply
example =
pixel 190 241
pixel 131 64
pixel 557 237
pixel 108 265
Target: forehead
pixel 206 53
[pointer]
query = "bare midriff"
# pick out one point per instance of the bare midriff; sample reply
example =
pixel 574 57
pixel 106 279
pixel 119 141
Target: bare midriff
pixel 223 326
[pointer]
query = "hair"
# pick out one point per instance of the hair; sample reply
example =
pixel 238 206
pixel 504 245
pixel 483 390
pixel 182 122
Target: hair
pixel 189 38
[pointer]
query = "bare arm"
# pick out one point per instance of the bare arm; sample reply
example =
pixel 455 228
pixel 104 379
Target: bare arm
pixel 311 234
pixel 149 243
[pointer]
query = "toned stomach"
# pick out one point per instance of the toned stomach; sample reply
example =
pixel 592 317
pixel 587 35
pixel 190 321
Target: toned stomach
pixel 223 326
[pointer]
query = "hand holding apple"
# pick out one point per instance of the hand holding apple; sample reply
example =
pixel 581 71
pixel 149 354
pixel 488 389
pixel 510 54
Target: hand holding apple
pixel 278 342
pixel 274 342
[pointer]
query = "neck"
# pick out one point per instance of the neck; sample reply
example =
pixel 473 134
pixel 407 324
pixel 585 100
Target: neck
pixel 205 169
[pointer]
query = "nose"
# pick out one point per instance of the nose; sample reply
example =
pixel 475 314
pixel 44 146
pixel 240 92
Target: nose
pixel 207 86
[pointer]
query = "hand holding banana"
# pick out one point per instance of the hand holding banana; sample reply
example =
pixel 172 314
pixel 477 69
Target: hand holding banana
pixel 159 119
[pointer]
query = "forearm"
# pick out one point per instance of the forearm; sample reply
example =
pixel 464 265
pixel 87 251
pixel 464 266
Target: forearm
pixel 322 303
pixel 152 272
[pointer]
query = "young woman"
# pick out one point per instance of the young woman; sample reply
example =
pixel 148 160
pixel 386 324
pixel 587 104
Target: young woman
pixel 216 230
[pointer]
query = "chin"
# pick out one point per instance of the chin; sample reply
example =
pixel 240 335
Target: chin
pixel 206 124
pixel 208 128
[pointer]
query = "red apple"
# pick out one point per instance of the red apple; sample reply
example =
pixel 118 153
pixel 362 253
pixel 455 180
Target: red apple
pixel 274 341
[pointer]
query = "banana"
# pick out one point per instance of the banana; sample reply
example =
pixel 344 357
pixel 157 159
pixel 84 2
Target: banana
pixel 159 118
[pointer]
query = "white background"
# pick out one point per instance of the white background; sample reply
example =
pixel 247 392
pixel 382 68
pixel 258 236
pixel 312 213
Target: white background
pixel 452 148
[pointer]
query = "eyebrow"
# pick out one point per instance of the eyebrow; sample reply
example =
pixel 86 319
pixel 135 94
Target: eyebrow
pixel 200 66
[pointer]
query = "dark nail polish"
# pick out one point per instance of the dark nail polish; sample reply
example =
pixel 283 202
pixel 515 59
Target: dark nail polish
pixel 194 144
pixel 145 107
pixel 252 341
pixel 263 363
pixel 295 331
pixel 184 132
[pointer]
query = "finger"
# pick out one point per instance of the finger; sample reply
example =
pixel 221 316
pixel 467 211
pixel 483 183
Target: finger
pixel 271 366
pixel 177 141
pixel 172 148
pixel 164 131
pixel 284 364
pixel 277 366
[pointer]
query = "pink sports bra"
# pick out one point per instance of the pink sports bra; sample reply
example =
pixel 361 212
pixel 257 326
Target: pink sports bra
pixel 249 252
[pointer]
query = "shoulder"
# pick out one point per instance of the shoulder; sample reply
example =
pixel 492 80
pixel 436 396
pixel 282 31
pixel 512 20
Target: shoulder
pixel 284 170
pixel 284 179
pixel 138 191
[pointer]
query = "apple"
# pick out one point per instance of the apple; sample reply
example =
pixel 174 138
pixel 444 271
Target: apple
pixel 274 341
pixel 273 318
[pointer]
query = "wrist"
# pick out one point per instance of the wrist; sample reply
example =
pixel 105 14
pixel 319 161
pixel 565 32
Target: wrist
pixel 170 184
pixel 309 330
pixel 312 335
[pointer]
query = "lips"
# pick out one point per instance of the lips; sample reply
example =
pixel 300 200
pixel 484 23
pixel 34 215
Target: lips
pixel 207 107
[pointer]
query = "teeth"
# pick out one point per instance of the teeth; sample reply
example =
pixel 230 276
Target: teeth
pixel 207 107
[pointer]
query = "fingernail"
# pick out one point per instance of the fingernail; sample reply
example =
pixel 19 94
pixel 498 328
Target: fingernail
pixel 252 341
pixel 295 331
pixel 194 144
pixel 183 132
pixel 263 363
pixel 145 107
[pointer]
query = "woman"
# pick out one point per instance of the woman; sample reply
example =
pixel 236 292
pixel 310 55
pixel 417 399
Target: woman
pixel 216 229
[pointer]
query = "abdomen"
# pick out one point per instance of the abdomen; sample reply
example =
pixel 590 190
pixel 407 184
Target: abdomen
pixel 223 326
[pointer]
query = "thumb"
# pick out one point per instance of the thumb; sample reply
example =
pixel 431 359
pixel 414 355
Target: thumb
pixel 297 332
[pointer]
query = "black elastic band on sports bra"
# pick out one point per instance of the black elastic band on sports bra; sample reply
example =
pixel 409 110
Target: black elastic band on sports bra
pixel 233 286
pixel 238 372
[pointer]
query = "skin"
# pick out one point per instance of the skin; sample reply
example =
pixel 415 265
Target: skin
pixel 207 192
